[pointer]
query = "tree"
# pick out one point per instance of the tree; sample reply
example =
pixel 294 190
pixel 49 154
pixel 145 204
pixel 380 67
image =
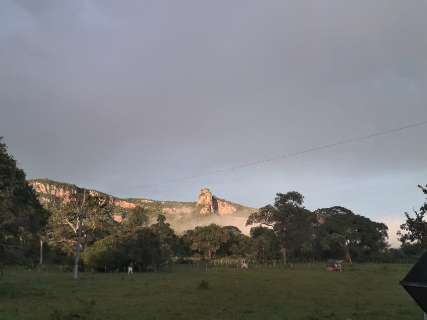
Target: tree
pixel 77 223
pixel 135 219
pixel 134 243
pixel 142 249
pixel 21 215
pixel 414 230
pixel 265 244
pixel 207 240
pixel 167 238
pixel 290 221
pixel 77 227
pixel 344 233
pixel 105 254
pixel 236 243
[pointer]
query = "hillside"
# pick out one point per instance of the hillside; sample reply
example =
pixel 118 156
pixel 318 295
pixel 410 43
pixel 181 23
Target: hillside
pixel 207 208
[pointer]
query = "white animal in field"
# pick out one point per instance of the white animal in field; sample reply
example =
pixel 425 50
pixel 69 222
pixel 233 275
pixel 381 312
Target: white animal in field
pixel 130 270
pixel 243 265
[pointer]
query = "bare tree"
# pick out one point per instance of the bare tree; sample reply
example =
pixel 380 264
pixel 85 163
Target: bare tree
pixel 77 227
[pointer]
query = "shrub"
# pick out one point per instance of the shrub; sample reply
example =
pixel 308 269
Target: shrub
pixel 203 285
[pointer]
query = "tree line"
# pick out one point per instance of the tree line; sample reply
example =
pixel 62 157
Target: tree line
pixel 86 236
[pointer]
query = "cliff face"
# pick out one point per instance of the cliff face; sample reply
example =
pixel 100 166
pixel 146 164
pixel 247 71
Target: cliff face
pixel 52 194
pixel 209 204
pixel 206 202
pixel 48 192
pixel 181 215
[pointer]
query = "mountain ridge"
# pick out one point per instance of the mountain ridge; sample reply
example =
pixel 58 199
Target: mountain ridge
pixel 182 215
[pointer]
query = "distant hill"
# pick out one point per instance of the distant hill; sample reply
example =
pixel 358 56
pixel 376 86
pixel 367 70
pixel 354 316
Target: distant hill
pixel 207 209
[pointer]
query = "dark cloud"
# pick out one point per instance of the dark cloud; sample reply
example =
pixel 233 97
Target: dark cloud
pixel 123 94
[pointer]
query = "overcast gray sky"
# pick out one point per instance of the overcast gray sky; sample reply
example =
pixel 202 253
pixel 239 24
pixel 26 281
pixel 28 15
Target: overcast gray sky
pixel 127 96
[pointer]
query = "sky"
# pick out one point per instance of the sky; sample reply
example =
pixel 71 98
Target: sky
pixel 134 97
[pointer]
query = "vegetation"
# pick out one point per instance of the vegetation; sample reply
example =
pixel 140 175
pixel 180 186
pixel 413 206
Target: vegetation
pixel 283 234
pixel 345 234
pixel 361 292
pixel 325 233
pixel 290 231
pixel 206 241
pixel 265 245
pixel 413 234
pixel 21 215
pixel 289 220
pixel 145 248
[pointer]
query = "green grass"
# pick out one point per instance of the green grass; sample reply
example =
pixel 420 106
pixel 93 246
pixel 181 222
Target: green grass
pixel 304 292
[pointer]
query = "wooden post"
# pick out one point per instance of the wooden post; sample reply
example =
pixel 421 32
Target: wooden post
pixel 425 316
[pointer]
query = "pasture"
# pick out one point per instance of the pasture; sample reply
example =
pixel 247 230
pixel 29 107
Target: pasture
pixel 303 292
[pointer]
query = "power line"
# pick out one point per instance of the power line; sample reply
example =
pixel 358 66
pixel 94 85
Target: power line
pixel 292 154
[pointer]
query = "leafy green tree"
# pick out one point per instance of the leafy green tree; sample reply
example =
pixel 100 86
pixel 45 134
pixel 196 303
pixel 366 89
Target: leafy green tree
pixel 21 215
pixel 207 240
pixel 106 254
pixel 136 219
pixel 237 244
pixel 414 230
pixel 136 244
pixel 68 216
pixel 167 237
pixel 115 252
pixel 143 250
pixel 265 246
pixel 78 223
pixel 344 233
pixel 292 223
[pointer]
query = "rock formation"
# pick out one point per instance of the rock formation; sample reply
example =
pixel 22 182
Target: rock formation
pixel 206 202
pixel 181 215
pixel 209 204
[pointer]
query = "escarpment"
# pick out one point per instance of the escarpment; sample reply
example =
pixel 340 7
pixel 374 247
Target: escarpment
pixel 207 208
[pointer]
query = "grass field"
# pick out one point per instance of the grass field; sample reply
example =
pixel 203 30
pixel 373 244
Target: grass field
pixel 304 292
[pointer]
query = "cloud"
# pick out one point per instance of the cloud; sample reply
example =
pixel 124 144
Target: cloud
pixel 115 95
pixel 393 223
